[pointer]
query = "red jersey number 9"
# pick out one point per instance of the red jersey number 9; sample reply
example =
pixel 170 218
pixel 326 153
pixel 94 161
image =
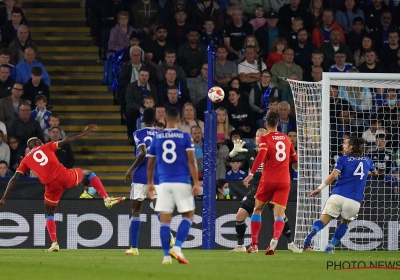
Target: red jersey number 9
pixel 43 159
pixel 280 151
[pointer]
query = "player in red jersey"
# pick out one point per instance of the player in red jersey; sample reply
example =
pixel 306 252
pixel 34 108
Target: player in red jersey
pixel 276 152
pixel 55 177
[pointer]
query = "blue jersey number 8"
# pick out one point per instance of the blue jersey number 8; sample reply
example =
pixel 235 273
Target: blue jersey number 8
pixel 170 150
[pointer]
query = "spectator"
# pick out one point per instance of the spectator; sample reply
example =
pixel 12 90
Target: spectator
pixel 24 68
pixel 179 30
pixel 145 13
pixel 155 50
pixel 286 122
pixel 171 80
pixel 355 36
pixel 250 41
pixel 35 86
pixel 6 11
pixel 41 114
pixel 9 29
pixel 395 66
pixel 340 65
pixel 392 180
pixel 189 118
pixel 375 129
pixel 135 92
pixel 316 73
pixel 64 154
pixel 20 44
pixel 285 68
pixel 235 34
pixel 259 19
pixel 4 149
pixel 290 11
pixel 229 11
pixel 249 6
pixel 314 15
pixel 5 59
pixel 337 104
pixel 148 102
pixel 223 129
pixel 161 114
pixel 321 33
pixel 209 9
pixel 199 86
pixel 6 83
pixel 192 55
pixel 268 32
pixel 225 70
pixel 250 69
pixel 277 5
pixel 170 61
pixel 197 138
pixel 17 152
pixel 380 34
pixel 223 190
pixel 120 34
pixel 208 35
pixel 9 105
pixel 54 120
pixel 390 109
pixel 317 57
pixel 234 173
pixel 345 16
pixel 276 53
pixel 303 49
pixel 170 9
pixel 359 55
pixel 4 171
pixel 173 100
pixel 371 65
pixel 373 14
pixel 334 45
pixel 23 127
pixel 297 24
pixel 389 52
pixel 260 94
pixel 287 94
pixel 240 114
pixel 381 156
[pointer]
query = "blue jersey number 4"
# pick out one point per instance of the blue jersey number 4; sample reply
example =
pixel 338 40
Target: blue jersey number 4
pixel 359 170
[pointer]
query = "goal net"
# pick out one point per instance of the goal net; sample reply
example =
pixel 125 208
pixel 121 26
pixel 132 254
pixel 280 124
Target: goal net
pixel 343 104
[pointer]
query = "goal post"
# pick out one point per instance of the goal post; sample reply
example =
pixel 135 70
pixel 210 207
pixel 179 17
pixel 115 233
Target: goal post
pixel 318 146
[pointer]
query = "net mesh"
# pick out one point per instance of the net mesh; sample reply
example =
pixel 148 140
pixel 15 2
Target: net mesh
pixel 362 108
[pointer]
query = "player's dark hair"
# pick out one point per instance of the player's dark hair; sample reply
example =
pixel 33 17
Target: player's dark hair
pixel 149 116
pixel 358 145
pixel 173 114
pixel 272 118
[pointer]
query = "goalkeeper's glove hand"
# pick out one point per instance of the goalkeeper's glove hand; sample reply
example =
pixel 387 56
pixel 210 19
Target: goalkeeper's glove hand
pixel 237 148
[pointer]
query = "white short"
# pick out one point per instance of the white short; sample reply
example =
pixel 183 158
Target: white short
pixel 174 194
pixel 339 205
pixel 139 191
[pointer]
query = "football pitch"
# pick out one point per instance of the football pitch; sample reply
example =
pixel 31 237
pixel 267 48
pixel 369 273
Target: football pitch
pixel 216 264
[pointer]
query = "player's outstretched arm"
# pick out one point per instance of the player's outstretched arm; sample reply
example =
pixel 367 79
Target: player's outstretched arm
pixel 151 162
pixel 138 161
pixel 10 186
pixel 373 173
pixel 71 138
pixel 257 162
pixel 193 172
pixel 332 177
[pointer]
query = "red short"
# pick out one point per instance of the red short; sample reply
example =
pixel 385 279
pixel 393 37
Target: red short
pixel 53 191
pixel 276 193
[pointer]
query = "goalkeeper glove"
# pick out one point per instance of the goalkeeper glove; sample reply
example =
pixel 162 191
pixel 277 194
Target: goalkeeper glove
pixel 237 148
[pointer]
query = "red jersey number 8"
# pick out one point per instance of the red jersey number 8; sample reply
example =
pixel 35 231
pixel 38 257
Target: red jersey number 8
pixel 43 159
pixel 280 151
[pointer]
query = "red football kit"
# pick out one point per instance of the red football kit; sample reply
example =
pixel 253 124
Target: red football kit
pixel 276 152
pixel 52 174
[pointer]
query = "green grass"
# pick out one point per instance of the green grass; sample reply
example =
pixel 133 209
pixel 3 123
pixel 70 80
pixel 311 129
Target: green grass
pixel 209 265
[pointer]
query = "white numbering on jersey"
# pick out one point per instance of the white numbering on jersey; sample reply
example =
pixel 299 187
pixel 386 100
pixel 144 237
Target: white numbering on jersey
pixel 280 151
pixel 359 170
pixel 43 159
pixel 170 151
pixel 150 138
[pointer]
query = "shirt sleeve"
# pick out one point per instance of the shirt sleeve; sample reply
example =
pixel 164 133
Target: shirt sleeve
pixel 188 142
pixel 22 167
pixel 53 146
pixel 371 165
pixel 138 140
pixel 152 150
pixel 339 164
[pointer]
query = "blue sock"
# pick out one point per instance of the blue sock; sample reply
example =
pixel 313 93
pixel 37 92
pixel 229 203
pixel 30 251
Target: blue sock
pixel 134 230
pixel 339 233
pixel 317 226
pixel 159 217
pixel 165 237
pixel 183 231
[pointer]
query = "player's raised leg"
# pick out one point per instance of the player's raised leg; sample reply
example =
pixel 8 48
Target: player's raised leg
pixel 98 186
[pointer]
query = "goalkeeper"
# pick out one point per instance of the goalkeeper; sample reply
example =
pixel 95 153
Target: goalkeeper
pixel 239 154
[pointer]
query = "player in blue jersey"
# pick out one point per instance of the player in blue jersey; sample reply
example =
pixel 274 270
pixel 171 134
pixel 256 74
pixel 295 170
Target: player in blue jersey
pixel 172 153
pixel 346 197
pixel 138 174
